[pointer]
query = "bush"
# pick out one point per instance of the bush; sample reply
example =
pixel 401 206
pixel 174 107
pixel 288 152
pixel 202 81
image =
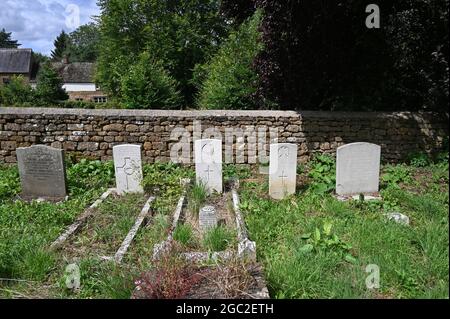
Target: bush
pixel 218 238
pixel 231 81
pixel 17 92
pixel 49 89
pixel 149 86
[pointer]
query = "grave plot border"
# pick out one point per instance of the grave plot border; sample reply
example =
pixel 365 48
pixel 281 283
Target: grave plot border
pixel 81 220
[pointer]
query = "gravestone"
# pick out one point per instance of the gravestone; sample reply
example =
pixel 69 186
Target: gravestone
pixel 357 169
pixel 208 164
pixel 282 170
pixel 128 168
pixel 207 218
pixel 42 173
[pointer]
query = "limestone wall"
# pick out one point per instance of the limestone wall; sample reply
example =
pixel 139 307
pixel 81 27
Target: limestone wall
pixel 93 133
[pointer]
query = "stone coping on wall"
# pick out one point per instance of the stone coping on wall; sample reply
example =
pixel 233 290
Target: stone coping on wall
pixel 29 111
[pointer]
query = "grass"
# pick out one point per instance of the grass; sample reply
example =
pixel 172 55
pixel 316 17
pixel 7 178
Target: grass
pixel 184 234
pixel 197 197
pixel 218 238
pixel 27 230
pixel 314 246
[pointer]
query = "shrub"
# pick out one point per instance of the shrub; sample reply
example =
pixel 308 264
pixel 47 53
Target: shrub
pixel 148 85
pixel 323 173
pixel 17 92
pixel 231 80
pixel 49 87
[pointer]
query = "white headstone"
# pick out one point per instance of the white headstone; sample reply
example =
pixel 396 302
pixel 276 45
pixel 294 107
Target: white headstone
pixel 282 170
pixel 128 167
pixel 208 164
pixel 357 169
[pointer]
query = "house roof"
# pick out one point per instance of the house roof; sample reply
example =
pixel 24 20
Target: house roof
pixel 77 72
pixel 15 60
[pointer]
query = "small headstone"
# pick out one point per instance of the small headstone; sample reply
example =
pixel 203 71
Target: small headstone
pixel 207 218
pixel 358 169
pixel 128 167
pixel 398 218
pixel 208 164
pixel 42 173
pixel 282 170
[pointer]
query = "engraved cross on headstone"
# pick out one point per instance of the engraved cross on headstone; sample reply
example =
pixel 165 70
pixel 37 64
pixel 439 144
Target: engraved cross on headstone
pixel 283 177
pixel 129 168
pixel 208 171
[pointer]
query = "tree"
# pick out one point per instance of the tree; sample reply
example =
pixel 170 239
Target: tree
pixel 179 34
pixel 320 55
pixel 147 85
pixel 6 42
pixel 231 81
pixel 49 86
pixel 61 43
pixel 16 93
pixel 83 43
pixel 237 10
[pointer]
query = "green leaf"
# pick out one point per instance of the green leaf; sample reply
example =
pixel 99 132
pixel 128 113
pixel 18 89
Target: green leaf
pixel 306 236
pixel 327 228
pixel 317 234
pixel 349 258
pixel 306 248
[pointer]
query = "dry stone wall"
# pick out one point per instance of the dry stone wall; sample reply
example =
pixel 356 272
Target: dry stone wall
pixel 94 133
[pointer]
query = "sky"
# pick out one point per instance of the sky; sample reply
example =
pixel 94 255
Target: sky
pixel 36 23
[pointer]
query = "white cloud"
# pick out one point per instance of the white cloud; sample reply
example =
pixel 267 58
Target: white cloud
pixel 36 23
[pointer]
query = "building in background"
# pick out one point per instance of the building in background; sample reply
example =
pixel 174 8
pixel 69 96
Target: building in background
pixel 78 81
pixel 15 62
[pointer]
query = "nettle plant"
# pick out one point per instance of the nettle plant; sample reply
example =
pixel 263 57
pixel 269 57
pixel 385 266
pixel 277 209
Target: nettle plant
pixel 323 173
pixel 323 239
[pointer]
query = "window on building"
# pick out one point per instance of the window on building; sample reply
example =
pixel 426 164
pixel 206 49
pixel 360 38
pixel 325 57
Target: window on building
pixel 100 99
pixel 79 99
pixel 6 80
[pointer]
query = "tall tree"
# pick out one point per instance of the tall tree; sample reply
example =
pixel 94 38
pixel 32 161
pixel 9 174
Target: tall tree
pixel 84 43
pixel 321 55
pixel 179 34
pixel 61 43
pixel 6 42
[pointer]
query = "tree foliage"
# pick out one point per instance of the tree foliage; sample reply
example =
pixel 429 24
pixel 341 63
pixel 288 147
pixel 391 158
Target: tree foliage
pixel 6 42
pixel 231 80
pixel 49 86
pixel 61 44
pixel 179 34
pixel 320 55
pixel 16 92
pixel 148 85
pixel 83 43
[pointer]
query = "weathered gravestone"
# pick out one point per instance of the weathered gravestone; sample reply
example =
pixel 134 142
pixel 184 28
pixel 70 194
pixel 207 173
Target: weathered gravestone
pixel 208 164
pixel 128 167
pixel 42 173
pixel 282 170
pixel 207 218
pixel 358 169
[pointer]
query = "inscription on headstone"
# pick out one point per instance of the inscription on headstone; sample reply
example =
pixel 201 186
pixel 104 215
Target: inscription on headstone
pixel 128 167
pixel 282 170
pixel 207 218
pixel 42 172
pixel 208 164
pixel 357 169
